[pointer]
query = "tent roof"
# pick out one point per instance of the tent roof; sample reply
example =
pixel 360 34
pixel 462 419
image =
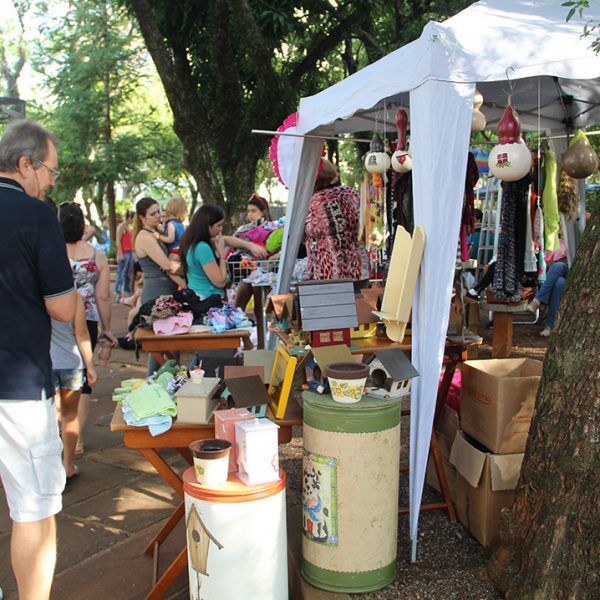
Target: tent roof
pixel 529 38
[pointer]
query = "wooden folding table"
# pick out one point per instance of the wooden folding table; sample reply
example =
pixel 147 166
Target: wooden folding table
pixel 161 345
pixel 179 437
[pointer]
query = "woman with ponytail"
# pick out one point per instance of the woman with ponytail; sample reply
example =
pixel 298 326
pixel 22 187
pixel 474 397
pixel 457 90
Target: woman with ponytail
pixel 160 273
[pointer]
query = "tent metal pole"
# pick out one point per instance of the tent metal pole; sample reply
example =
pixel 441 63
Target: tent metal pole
pixel 303 135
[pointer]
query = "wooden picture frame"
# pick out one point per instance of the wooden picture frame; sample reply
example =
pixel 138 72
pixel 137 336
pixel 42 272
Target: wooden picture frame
pixel 280 383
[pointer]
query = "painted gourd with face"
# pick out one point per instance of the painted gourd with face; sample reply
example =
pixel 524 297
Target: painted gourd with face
pixel 377 160
pixel 401 158
pixel 510 160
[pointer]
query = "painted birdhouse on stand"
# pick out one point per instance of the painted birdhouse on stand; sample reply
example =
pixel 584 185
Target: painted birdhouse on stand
pixel 198 541
pixel 390 374
pixel 327 311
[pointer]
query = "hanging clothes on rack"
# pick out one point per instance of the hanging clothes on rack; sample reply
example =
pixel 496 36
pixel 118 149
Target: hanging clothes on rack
pixel 467 223
pixel 400 198
pixel 550 199
pixel 530 260
pixel 511 245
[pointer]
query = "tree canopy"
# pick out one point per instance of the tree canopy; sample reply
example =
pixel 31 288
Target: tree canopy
pixel 228 66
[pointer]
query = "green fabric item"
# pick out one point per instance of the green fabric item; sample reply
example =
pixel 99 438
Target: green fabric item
pixel 274 241
pixel 151 399
pixel 163 379
pixel 550 199
pixel 170 366
pixel 129 383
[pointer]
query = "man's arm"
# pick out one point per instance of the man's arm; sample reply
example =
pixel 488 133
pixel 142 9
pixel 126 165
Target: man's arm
pixel 62 308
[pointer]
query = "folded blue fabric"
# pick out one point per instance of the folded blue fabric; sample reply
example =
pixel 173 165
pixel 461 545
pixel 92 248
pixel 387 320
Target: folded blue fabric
pixel 156 424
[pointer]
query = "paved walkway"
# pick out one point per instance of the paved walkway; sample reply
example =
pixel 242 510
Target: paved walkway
pixel 115 506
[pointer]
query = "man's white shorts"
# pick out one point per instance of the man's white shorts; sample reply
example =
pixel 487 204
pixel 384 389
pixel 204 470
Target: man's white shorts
pixel 31 468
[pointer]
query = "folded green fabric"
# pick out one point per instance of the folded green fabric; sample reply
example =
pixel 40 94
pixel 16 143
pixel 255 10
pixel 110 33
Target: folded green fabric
pixel 150 399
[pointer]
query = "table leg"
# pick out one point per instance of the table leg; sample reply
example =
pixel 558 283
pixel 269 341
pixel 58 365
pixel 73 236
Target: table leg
pixel 502 335
pixel 158 357
pixel 163 469
pixel 441 473
pixel 257 292
pixel 168 576
pixel 165 530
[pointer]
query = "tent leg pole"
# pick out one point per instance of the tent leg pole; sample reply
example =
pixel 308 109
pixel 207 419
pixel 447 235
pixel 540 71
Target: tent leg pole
pixel 413 553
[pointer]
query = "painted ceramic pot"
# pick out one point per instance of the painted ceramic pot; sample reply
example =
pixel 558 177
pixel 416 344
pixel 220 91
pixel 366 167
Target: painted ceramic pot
pixel 211 460
pixel 347 381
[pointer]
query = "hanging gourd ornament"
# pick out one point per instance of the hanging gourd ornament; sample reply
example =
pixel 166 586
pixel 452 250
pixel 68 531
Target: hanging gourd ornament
pixel 580 159
pixel 401 159
pixel 478 120
pixel 377 160
pixel 510 160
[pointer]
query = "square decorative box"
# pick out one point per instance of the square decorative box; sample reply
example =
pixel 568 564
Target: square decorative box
pixel 257 451
pixel 225 421
pixel 195 402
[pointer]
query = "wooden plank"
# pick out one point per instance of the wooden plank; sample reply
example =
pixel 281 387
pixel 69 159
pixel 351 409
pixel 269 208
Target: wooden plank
pixel 320 312
pixel 329 323
pixel 328 300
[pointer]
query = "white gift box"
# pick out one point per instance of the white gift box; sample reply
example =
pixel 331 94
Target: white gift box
pixel 257 451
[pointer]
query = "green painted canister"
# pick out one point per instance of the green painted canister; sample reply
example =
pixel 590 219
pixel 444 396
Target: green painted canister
pixel 350 472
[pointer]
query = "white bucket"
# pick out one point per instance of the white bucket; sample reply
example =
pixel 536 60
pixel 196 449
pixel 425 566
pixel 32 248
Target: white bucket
pixel 237 539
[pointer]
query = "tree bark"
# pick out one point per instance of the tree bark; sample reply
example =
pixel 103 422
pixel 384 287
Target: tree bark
pixel 549 540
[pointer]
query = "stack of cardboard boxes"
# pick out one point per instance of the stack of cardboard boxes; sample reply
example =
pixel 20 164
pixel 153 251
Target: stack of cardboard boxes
pixel 483 460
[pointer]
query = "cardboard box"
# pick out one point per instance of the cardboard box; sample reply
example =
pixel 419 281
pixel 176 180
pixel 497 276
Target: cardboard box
pixel 257 451
pixel 195 402
pixel 497 401
pixel 485 484
pixel 446 430
pixel 225 421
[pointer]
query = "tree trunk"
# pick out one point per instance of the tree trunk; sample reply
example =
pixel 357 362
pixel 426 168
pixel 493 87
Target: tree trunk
pixel 112 214
pixel 549 540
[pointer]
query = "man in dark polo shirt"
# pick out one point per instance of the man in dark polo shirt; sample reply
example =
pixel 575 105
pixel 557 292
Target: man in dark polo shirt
pixel 36 283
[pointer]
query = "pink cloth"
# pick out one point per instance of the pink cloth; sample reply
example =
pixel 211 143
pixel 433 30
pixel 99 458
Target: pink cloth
pixel 257 235
pixel 453 398
pixel 180 323
pixel 557 255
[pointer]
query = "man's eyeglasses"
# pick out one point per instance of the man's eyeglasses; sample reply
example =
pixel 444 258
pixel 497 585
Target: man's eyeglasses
pixel 54 172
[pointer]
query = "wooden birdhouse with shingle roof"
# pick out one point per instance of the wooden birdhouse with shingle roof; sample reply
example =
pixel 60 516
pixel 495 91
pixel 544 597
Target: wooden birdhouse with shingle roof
pixel 390 374
pixel 327 310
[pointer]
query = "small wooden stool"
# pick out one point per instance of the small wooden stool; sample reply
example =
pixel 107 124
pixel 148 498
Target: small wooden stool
pixel 502 336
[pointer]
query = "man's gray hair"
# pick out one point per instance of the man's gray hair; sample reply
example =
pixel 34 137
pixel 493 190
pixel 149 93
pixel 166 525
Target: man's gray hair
pixel 23 138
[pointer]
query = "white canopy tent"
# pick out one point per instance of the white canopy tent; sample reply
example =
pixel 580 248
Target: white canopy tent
pixel 555 75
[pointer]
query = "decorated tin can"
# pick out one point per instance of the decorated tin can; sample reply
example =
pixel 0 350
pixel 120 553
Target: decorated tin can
pixel 350 493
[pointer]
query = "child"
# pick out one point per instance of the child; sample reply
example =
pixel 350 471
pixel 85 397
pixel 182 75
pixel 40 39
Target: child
pixel 69 343
pixel 176 213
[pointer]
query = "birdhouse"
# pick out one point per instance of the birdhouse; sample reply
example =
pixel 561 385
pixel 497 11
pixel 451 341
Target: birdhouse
pixel 195 402
pixel 249 392
pixel 198 540
pixel 327 311
pixel 390 374
pixel 282 306
pixel 316 359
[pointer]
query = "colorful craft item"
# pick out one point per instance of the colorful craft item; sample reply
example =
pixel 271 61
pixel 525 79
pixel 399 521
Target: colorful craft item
pixel 225 318
pixel 281 151
pixel 377 160
pixel 478 121
pixel 580 159
pixel 510 160
pixel 401 159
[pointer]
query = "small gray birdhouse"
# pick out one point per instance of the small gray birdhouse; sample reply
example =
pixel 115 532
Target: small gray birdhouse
pixel 390 374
